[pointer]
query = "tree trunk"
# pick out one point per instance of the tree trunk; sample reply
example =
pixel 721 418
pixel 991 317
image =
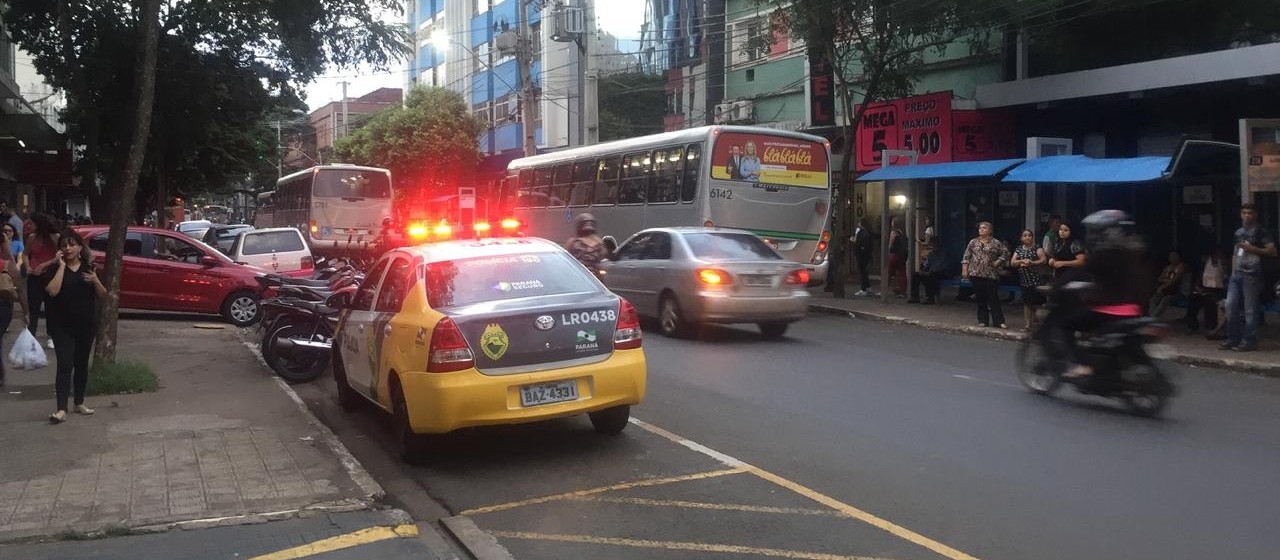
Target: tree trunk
pixel 144 89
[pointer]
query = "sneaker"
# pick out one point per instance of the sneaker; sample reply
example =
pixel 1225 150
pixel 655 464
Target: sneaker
pixel 82 409
pixel 1245 348
pixel 58 417
pixel 1004 326
pixel 49 344
pixel 861 293
pixel 1228 345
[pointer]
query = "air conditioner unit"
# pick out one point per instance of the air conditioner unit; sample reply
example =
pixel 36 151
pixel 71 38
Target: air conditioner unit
pixel 723 114
pixel 744 111
pixel 507 42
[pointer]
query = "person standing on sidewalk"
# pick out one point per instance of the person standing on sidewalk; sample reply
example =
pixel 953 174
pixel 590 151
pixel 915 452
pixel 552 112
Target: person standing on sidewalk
pixel 1068 255
pixel 984 258
pixel 898 252
pixel 1210 290
pixel 42 258
pixel 1244 289
pixel 1030 259
pixel 9 267
pixel 863 246
pixel 73 291
pixel 1051 235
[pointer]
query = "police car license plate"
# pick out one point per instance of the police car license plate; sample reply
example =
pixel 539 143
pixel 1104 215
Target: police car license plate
pixel 547 393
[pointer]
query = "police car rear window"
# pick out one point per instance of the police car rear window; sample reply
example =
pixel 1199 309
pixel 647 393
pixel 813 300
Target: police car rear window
pixel 484 279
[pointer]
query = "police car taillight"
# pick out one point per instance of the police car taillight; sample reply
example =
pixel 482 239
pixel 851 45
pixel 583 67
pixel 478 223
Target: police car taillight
pixel 627 335
pixel 449 350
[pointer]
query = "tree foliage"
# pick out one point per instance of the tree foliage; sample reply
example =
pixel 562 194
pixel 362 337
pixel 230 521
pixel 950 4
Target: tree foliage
pixel 631 104
pixel 429 144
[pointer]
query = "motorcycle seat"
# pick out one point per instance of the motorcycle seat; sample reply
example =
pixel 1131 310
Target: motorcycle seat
pixel 307 282
pixel 319 308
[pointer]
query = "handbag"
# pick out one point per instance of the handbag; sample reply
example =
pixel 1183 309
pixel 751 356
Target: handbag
pixel 8 289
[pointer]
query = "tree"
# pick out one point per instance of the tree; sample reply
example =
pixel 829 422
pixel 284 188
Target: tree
pixel 876 50
pixel 222 65
pixel 430 143
pixel 631 104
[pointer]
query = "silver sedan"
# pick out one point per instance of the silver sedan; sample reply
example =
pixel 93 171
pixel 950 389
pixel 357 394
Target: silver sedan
pixel 687 276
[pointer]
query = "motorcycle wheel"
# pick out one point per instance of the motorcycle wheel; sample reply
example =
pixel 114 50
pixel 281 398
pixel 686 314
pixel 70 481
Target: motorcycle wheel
pixel 1150 400
pixel 1035 368
pixel 294 367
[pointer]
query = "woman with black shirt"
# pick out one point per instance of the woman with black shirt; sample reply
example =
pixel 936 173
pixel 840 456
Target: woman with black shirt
pixel 73 292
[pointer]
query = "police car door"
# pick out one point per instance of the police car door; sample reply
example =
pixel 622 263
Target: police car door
pixel 359 341
pixel 391 295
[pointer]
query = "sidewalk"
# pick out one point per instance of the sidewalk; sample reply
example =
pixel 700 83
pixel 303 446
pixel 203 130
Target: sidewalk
pixel 220 439
pixel 950 315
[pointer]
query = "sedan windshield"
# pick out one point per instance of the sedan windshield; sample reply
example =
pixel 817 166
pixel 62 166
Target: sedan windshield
pixel 729 247
pixel 468 281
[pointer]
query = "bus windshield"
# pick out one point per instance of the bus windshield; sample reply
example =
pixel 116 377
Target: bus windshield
pixel 351 183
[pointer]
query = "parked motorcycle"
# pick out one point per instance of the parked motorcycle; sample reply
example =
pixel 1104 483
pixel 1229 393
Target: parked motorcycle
pixel 1123 355
pixel 298 326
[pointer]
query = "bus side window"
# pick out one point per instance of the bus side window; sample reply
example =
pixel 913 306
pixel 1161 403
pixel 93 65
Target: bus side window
pixel 541 187
pixel 635 178
pixel 692 166
pixel 667 167
pixel 561 185
pixel 524 188
pixel 584 172
pixel 606 191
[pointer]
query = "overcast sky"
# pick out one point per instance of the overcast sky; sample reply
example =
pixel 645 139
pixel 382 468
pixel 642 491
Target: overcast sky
pixel 622 18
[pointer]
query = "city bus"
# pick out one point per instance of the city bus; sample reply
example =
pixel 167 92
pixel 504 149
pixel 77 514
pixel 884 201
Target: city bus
pixel 773 183
pixel 263 210
pixel 338 207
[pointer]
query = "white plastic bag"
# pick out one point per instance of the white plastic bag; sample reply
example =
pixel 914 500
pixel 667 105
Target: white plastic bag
pixel 27 353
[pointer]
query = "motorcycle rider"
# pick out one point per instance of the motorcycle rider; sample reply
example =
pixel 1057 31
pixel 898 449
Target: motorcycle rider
pixel 1106 289
pixel 586 246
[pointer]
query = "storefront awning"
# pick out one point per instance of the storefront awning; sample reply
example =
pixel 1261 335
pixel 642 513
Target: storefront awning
pixel 1084 169
pixel 953 170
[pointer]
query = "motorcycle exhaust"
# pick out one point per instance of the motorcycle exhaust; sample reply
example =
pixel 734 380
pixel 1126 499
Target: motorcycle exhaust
pixel 289 344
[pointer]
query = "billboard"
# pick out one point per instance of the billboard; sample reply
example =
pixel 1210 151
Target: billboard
pixel 769 162
pixel 921 123
pixel 1260 155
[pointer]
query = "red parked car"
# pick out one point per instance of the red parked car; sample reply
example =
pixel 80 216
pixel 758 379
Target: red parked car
pixel 168 271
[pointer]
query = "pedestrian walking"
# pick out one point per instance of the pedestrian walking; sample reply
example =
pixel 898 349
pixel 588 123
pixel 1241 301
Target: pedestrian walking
pixel 1172 286
pixel 74 289
pixel 42 259
pixel 1253 243
pixel 863 247
pixel 1210 289
pixel 1030 260
pixel 1067 256
pixel 984 259
pixel 16 249
pixel 11 296
pixel 898 253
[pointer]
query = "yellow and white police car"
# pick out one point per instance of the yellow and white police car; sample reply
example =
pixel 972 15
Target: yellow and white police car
pixel 483 332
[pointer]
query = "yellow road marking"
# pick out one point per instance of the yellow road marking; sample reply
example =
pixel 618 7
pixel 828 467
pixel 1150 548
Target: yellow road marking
pixel 622 486
pixel 677 545
pixel 866 517
pixel 707 505
pixel 361 537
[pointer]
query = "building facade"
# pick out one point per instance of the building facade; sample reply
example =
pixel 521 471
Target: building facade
pixel 35 158
pixel 684 41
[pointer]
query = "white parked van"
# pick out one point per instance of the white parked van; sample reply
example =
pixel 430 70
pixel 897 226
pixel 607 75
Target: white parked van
pixel 280 250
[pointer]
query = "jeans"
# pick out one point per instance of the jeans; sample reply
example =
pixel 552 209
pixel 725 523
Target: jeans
pixel 1243 296
pixel 6 317
pixel 864 269
pixel 987 292
pixel 36 297
pixel 72 344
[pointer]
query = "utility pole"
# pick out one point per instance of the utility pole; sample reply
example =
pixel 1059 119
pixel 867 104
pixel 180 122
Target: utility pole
pixel 344 108
pixel 588 103
pixel 524 58
pixel 279 157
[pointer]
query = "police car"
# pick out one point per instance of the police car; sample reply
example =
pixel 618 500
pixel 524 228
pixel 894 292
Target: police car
pixel 484 332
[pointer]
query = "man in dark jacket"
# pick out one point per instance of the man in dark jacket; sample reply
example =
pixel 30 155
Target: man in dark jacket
pixel 863 244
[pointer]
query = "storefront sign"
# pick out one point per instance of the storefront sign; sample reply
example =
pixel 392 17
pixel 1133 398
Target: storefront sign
pixel 822 90
pixel 1260 142
pixel 983 135
pixel 769 162
pixel 921 123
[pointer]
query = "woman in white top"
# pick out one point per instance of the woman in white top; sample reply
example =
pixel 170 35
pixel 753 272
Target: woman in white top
pixel 1210 288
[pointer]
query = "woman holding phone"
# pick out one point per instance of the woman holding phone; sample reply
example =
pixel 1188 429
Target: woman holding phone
pixel 73 292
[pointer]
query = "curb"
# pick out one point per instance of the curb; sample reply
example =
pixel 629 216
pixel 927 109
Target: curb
pixel 1241 366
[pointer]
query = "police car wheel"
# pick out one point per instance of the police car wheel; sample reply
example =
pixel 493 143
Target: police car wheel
pixel 611 421
pixel 347 397
pixel 411 446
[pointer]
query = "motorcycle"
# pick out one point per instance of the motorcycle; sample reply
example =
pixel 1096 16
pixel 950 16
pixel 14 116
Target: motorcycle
pixel 299 344
pixel 1123 355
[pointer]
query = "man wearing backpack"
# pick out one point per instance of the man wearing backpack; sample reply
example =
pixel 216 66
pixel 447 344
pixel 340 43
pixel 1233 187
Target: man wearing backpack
pixel 1253 245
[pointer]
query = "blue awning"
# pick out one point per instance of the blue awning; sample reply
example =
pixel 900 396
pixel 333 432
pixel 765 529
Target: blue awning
pixel 1084 169
pixel 954 170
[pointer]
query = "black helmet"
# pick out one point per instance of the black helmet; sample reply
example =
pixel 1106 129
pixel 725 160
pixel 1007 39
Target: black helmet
pixel 585 224
pixel 1111 229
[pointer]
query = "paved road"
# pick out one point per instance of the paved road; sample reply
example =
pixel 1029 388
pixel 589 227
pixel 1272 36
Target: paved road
pixel 846 420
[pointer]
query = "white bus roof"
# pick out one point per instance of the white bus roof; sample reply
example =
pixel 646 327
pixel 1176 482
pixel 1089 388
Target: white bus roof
pixel 342 166
pixel 653 140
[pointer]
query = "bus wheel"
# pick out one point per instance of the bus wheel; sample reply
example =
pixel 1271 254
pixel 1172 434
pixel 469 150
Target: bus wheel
pixel 671 319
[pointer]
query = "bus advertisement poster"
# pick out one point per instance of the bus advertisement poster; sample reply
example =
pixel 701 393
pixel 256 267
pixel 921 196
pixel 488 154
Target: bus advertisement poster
pixel 770 160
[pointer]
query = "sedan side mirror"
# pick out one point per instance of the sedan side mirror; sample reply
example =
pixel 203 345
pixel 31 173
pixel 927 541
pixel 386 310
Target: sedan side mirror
pixel 210 261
